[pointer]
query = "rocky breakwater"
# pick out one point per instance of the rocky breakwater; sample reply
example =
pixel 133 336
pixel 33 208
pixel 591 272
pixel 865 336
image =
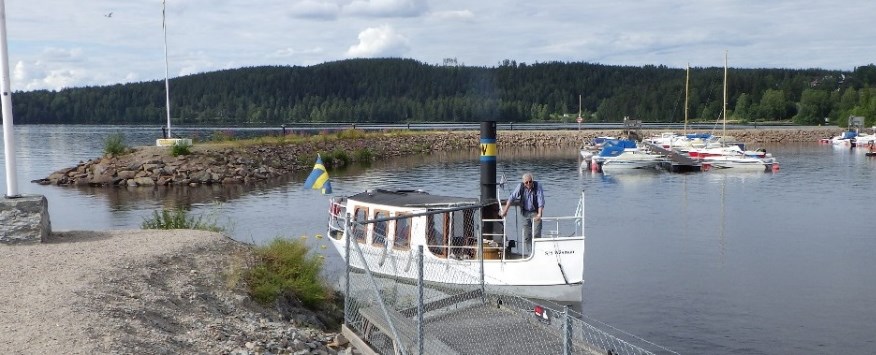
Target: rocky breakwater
pixel 240 164
pixel 229 164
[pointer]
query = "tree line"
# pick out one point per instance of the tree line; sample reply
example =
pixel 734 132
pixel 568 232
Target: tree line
pixel 393 90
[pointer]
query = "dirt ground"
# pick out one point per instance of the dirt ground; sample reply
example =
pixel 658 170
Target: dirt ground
pixel 143 292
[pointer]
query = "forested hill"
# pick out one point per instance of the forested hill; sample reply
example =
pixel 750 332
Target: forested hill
pixel 403 90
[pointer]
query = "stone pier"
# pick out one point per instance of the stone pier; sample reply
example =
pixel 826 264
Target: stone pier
pixel 24 219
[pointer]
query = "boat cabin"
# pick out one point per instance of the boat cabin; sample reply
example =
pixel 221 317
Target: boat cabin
pixel 448 227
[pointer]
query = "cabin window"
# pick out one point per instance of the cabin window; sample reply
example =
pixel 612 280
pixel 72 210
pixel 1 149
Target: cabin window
pixel 437 234
pixel 378 236
pixel 463 239
pixel 359 229
pixel 402 233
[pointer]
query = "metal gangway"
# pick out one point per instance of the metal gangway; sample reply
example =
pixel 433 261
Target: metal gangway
pixel 392 315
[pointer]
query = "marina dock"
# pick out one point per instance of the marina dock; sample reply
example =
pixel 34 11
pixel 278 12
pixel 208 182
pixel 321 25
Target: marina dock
pixel 676 162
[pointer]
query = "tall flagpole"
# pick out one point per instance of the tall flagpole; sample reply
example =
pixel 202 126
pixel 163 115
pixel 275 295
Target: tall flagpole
pixel 166 72
pixel 8 133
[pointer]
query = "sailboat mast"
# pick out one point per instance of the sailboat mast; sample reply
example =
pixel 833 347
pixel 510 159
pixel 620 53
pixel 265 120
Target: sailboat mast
pixel 724 129
pixel 166 72
pixel 686 104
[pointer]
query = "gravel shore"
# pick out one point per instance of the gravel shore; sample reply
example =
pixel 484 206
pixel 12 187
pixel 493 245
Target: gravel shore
pixel 141 292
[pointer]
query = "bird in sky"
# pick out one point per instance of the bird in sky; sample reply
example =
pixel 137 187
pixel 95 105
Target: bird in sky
pixel 109 14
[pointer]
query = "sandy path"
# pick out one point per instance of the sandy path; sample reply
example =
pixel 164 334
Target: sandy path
pixel 52 295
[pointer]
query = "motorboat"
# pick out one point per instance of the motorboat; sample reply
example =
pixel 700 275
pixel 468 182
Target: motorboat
pixel 631 160
pixel 741 162
pixel 385 228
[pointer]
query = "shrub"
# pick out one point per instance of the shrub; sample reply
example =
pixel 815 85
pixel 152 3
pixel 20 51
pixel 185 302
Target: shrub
pixel 222 136
pixel 114 144
pixel 364 155
pixel 285 268
pixel 351 134
pixel 339 158
pixel 178 218
pixel 180 148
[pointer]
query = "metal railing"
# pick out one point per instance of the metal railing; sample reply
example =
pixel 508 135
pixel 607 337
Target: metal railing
pixel 454 313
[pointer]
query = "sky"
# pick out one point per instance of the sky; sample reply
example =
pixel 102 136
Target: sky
pixel 57 44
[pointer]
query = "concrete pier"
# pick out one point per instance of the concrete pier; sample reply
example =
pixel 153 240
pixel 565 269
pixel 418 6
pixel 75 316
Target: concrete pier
pixel 24 219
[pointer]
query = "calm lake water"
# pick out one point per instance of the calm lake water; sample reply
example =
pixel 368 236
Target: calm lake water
pixel 704 263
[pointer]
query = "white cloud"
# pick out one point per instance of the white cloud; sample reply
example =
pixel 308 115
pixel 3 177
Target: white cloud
pixel 465 15
pixel 387 8
pixel 291 52
pixel 322 10
pixel 58 43
pixel 381 41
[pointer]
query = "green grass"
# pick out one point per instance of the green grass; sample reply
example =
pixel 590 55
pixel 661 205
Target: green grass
pixel 179 219
pixel 286 268
pixel 180 148
pixel 364 155
pixel 114 144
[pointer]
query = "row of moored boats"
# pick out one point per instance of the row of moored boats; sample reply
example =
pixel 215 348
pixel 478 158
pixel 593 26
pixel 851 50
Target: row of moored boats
pixel 611 154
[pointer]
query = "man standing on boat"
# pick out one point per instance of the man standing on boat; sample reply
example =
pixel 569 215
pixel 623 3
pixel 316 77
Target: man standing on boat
pixel 531 201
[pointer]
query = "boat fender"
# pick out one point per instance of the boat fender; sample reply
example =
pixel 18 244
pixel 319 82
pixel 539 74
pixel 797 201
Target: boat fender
pixel 775 167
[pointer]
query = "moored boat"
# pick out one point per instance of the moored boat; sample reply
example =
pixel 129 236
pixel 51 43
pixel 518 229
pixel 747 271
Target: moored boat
pixel 386 228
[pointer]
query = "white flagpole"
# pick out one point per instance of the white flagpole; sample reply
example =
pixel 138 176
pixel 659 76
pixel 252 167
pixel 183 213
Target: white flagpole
pixel 8 133
pixel 166 72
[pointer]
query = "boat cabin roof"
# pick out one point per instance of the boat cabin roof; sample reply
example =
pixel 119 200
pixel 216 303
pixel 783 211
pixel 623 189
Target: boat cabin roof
pixel 410 199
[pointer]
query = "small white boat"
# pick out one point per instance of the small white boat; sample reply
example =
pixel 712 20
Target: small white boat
pixel 846 138
pixel 388 226
pixel 593 146
pixel 741 162
pixel 630 160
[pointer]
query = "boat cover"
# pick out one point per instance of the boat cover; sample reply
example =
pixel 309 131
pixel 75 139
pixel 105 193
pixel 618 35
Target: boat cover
pixel 615 147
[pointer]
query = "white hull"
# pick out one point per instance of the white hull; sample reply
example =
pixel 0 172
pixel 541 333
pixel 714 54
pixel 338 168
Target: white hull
pixel 620 164
pixel 740 163
pixel 631 160
pixel 550 268
pixel 538 276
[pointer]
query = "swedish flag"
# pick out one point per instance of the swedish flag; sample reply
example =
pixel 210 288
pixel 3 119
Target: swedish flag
pixel 319 178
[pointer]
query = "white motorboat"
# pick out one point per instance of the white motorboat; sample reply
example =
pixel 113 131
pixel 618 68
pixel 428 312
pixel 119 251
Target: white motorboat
pixel 630 160
pixel 387 227
pixel 741 162
pixel 726 155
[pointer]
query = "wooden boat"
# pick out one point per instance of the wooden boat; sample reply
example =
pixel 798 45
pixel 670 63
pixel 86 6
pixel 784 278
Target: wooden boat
pixel 387 227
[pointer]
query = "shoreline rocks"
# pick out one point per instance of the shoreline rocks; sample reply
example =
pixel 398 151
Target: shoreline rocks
pixel 210 164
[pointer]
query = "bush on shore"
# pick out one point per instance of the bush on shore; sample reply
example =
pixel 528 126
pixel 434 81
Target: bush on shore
pixel 114 144
pixel 179 218
pixel 285 268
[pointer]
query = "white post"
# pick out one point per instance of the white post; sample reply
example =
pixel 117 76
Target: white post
pixel 8 132
pixel 166 72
